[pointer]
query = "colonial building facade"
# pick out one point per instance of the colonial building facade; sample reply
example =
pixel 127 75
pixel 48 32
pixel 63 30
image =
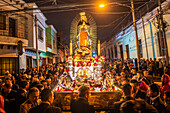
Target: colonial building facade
pixel 20 26
pixel 13 28
pixel 123 45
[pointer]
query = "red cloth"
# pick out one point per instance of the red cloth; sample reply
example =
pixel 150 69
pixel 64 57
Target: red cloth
pixel 165 85
pixel 143 86
pixel 1 104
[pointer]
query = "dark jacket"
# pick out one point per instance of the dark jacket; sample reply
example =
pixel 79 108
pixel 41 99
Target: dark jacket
pixel 158 104
pixel 81 105
pixel 140 94
pixel 20 98
pixel 145 107
pixel 40 108
pixel 167 110
pixel 27 105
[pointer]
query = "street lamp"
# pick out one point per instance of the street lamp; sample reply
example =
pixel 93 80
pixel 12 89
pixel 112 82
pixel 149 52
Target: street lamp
pixel 134 24
pixel 101 5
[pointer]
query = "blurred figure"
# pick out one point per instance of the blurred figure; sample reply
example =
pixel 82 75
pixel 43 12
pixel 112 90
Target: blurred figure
pixel 53 109
pixel 124 81
pixel 123 74
pixel 167 101
pixel 167 70
pixel 40 87
pixel 160 68
pixel 131 106
pixel 154 98
pixel 2 104
pixel 81 105
pixel 47 97
pixel 118 81
pixel 147 78
pixel 33 100
pixel 22 93
pixel 137 93
pixel 44 83
pixel 165 84
pixel 127 93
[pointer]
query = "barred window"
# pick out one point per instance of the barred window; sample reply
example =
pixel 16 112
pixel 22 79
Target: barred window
pixel 2 22
pixel 40 33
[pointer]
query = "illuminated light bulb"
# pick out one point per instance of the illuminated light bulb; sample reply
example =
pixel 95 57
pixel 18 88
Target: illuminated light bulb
pixel 101 5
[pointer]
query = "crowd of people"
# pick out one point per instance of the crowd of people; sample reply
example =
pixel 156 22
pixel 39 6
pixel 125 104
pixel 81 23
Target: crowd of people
pixel 32 92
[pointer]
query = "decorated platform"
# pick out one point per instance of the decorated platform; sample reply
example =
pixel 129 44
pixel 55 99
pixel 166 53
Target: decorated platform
pixel 84 68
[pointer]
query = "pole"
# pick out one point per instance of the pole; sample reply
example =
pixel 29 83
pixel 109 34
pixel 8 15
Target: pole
pixel 135 29
pixel 98 47
pixel 71 48
pixel 144 33
pixel 36 32
pixel 163 33
pixel 18 66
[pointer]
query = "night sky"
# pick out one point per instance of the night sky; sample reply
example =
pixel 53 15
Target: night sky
pixel 108 25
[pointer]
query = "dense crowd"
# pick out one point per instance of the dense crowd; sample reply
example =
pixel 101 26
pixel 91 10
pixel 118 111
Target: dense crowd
pixel 32 92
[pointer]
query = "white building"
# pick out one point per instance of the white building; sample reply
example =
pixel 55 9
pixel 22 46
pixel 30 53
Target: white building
pixel 31 49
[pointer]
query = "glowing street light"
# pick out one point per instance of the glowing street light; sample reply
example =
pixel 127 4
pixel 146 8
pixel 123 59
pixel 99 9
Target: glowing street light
pixel 134 24
pixel 101 5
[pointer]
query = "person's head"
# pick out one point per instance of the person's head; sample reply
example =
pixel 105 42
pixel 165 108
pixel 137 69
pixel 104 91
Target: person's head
pixel 124 81
pixel 33 94
pixel 118 78
pixel 127 90
pixel 146 73
pixel 84 92
pixel 53 109
pixel 57 73
pixel 134 84
pixel 8 80
pixel 165 79
pixel 140 74
pixel 48 81
pixel 24 84
pixel 123 74
pixel 40 74
pixel 7 88
pixel 47 96
pixel 24 76
pixel 167 96
pixel 125 64
pixel 13 71
pixel 154 59
pixel 103 70
pixel 15 87
pixel 130 106
pixel 153 90
pixel 44 83
pixel 40 87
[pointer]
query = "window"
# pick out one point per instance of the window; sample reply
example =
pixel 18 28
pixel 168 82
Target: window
pixel 112 52
pixel 54 43
pixel 40 33
pixel 115 51
pixel 109 53
pixel 121 51
pixel 8 64
pixel 140 48
pixel 12 27
pixel 127 51
pixel 2 22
